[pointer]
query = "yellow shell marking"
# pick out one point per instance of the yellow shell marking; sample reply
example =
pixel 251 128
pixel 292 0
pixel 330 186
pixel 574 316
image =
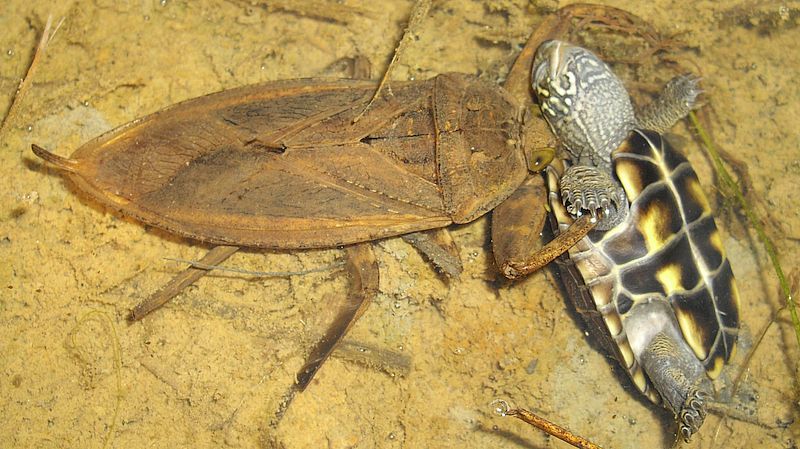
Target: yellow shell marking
pixel 716 368
pixel 697 194
pixel 630 177
pixel 653 226
pixel 654 396
pixel 613 323
pixel 670 278
pixel 716 241
pixel 627 354
pixel 735 297
pixel 692 333
pixel 601 293
pixel 640 381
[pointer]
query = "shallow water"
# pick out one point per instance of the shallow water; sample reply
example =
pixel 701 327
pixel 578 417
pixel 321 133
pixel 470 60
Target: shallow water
pixel 422 366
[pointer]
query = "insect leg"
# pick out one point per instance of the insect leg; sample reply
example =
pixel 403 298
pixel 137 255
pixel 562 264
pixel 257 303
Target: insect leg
pixel 185 278
pixel 364 275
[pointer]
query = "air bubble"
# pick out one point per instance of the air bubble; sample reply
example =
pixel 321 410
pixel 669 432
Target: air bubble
pixel 784 13
pixel 501 407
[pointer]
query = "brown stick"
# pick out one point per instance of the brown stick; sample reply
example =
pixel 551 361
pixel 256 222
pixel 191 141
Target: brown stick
pixel 187 277
pixel 545 426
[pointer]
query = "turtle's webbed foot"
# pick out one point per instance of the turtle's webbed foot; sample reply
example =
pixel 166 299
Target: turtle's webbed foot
pixel 693 413
pixel 586 189
pixel 678 97
pixel 684 89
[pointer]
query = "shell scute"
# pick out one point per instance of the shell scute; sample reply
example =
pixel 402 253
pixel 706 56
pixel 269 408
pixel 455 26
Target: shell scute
pixel 625 245
pixel 726 297
pixel 635 174
pixel 655 217
pixel 695 313
pixel 709 243
pixel 692 197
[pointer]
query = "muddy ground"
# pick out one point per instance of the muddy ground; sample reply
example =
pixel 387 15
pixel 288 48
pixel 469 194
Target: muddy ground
pixel 423 365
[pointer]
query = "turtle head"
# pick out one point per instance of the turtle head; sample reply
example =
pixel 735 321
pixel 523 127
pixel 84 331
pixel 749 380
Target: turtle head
pixel 584 102
pixel 554 78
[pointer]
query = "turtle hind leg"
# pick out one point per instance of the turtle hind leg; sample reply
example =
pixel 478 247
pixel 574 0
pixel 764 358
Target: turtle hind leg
pixel 680 379
pixel 674 102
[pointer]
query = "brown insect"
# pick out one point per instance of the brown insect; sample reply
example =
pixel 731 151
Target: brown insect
pixel 285 165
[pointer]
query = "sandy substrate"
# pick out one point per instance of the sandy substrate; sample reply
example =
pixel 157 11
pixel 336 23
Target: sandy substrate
pixel 421 368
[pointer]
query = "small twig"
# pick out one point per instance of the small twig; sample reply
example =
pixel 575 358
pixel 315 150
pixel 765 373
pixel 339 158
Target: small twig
pixel 273 274
pixel 26 82
pixel 418 14
pixel 755 222
pixel 503 409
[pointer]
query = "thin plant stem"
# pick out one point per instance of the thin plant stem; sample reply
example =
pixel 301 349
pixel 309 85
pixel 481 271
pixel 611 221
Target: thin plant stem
pixel 731 185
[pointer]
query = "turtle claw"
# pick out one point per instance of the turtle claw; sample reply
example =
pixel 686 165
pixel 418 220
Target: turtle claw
pixel 686 89
pixel 693 413
pixel 586 189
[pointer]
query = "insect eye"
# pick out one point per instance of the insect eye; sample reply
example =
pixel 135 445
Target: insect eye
pixel 540 158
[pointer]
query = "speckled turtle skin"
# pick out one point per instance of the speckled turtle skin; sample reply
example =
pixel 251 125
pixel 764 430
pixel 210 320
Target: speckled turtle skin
pixel 652 280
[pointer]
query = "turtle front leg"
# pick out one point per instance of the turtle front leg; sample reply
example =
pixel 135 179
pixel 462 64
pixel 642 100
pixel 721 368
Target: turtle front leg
pixel 586 189
pixel 678 97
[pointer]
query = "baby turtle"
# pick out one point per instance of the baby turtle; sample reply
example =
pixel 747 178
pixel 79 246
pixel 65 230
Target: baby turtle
pixel 652 280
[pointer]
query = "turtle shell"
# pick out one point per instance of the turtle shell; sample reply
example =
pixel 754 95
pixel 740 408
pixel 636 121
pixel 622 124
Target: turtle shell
pixel 668 247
